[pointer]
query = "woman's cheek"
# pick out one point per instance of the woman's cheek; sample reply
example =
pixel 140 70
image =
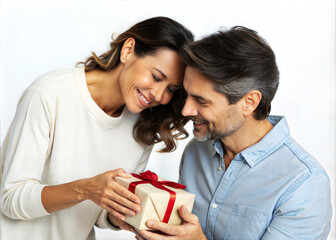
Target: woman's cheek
pixel 166 99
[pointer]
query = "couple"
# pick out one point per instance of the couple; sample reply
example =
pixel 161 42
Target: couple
pixel 250 178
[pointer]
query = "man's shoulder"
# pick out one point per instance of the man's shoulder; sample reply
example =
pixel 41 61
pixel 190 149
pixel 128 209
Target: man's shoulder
pixel 297 155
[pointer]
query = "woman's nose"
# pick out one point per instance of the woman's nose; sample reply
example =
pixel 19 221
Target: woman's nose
pixel 157 94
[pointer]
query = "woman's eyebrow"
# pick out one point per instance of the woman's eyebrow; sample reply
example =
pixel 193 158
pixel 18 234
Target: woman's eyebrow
pixel 163 75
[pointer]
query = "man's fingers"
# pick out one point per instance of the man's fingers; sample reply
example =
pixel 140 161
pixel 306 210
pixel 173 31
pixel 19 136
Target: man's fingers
pixel 187 216
pixel 165 228
pixel 152 236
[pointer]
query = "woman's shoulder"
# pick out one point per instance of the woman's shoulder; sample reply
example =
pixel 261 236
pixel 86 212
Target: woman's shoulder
pixel 51 81
pixel 51 85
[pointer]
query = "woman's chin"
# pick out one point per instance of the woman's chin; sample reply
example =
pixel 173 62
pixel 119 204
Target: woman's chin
pixel 134 109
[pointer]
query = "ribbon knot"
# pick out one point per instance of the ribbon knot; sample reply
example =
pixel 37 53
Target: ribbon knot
pixel 152 178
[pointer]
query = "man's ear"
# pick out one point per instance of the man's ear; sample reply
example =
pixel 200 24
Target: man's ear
pixel 127 49
pixel 251 101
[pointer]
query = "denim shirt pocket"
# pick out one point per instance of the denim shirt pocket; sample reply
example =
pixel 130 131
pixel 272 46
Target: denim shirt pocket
pixel 246 223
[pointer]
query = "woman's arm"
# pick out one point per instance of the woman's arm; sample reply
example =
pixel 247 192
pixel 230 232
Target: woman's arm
pixel 101 189
pixel 23 159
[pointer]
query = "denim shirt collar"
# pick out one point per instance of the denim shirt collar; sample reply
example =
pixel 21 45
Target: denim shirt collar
pixel 266 146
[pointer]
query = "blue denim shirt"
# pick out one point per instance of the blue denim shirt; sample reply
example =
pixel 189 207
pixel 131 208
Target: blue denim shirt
pixel 272 190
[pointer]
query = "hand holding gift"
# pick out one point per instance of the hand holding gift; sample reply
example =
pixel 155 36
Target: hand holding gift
pixel 160 200
pixel 107 193
pixel 190 229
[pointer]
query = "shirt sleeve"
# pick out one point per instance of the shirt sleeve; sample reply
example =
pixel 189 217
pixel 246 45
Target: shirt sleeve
pixel 23 158
pixel 305 213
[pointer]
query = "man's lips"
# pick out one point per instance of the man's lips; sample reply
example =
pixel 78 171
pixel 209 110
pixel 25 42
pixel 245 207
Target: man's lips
pixel 198 123
pixel 143 99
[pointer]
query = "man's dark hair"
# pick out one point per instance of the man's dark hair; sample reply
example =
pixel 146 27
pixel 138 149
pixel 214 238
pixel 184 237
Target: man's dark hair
pixel 237 61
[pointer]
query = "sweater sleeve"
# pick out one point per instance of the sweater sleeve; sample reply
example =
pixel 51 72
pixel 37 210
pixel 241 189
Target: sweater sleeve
pixel 102 221
pixel 23 158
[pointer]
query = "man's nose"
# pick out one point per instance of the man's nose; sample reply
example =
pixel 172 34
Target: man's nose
pixel 189 109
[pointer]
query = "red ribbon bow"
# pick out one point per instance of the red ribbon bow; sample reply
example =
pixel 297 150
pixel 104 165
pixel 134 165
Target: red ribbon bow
pixel 152 178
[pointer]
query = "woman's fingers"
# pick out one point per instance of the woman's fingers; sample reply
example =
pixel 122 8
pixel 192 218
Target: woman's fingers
pixel 122 201
pixel 119 208
pixel 138 235
pixel 113 212
pixel 124 192
pixel 106 192
pixel 119 173
pixel 117 188
pixel 122 197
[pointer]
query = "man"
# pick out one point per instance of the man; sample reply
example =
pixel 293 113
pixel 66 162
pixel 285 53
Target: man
pixel 250 178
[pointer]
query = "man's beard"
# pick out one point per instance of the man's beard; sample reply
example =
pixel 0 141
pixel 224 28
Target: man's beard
pixel 213 133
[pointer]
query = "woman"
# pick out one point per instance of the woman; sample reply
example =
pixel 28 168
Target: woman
pixel 73 125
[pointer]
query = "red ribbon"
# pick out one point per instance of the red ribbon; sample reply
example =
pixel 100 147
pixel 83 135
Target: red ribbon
pixel 152 178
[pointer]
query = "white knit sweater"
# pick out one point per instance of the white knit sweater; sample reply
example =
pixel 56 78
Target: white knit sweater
pixel 58 135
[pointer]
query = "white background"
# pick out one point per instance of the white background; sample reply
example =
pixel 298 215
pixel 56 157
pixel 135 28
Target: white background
pixel 40 36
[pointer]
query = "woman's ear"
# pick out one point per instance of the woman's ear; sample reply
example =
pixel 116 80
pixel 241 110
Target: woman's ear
pixel 127 49
pixel 251 102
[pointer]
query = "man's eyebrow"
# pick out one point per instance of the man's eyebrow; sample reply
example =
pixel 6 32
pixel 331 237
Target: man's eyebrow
pixel 163 75
pixel 198 97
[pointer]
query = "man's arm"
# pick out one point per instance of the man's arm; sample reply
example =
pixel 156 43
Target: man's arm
pixel 305 213
pixel 189 230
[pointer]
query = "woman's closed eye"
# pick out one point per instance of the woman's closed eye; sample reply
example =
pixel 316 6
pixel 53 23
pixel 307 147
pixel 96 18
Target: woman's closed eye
pixel 156 78
pixel 171 90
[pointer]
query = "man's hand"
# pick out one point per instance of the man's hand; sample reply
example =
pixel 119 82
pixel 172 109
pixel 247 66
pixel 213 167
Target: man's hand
pixel 189 230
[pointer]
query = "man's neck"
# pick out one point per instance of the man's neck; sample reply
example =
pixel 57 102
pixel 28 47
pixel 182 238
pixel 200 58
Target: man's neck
pixel 251 132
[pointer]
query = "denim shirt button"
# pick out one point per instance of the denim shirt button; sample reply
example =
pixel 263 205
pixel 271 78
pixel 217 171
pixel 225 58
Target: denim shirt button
pixel 214 205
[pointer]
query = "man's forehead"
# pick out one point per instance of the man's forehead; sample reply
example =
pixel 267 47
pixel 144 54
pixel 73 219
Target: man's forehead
pixel 195 81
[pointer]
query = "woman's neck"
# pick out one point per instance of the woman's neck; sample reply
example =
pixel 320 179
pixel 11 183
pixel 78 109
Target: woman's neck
pixel 105 90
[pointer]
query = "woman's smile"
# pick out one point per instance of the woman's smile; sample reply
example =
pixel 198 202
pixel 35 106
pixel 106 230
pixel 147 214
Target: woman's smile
pixel 143 99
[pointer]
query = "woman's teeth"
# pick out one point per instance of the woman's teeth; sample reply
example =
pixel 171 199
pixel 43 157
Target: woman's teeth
pixel 143 98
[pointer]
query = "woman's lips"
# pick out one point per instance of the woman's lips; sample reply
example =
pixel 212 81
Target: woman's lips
pixel 143 99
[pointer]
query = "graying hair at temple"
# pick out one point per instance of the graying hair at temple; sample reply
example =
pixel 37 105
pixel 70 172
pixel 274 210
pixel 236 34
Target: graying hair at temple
pixel 237 60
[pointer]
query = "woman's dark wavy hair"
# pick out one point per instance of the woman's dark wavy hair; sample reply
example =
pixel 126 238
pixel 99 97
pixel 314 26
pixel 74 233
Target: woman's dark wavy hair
pixel 237 60
pixel 164 122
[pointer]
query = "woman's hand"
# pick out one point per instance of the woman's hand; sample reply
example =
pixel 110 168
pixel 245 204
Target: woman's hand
pixel 117 222
pixel 107 193
pixel 101 189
